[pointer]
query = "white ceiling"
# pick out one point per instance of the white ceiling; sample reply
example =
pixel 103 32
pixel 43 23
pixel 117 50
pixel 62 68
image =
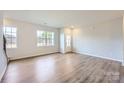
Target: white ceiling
pixel 61 18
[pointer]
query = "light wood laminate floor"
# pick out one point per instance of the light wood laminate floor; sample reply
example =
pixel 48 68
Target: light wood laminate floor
pixel 63 68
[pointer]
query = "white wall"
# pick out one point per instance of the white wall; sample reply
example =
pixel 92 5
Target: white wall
pixel 3 60
pixel 102 40
pixel 27 40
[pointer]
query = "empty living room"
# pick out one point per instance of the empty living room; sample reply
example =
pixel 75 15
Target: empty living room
pixel 62 46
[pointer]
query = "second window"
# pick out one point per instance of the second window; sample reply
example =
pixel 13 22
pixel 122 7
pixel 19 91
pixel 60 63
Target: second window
pixel 45 38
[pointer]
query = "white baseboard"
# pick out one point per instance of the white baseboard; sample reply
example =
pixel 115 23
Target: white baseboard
pixel 24 57
pixel 122 64
pixel 121 61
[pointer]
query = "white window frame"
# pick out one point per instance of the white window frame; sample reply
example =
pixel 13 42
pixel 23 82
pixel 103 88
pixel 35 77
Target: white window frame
pixel 45 38
pixel 11 32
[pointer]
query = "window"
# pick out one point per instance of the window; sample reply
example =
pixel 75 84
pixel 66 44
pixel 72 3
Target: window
pixel 11 37
pixel 68 40
pixel 45 38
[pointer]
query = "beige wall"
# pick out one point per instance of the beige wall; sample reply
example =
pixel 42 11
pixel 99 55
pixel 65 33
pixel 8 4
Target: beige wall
pixel 27 40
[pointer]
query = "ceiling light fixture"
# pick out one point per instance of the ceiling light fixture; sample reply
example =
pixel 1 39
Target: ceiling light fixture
pixel 72 27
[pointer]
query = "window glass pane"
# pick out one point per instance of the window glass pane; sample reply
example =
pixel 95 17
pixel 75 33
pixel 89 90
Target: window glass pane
pixel 4 29
pixel 50 38
pixel 13 40
pixel 13 34
pixel 41 38
pixel 45 38
pixel 13 30
pixel 38 33
pixel 44 42
pixel 10 35
pixel 68 40
pixel 48 34
pixel 8 29
pixel 52 42
pixel 38 36
pixel 13 45
pixel 52 35
pixel 8 40
pixel 48 41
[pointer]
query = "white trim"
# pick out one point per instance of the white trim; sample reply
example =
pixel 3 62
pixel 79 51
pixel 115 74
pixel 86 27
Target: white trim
pixel 121 61
pixel 41 54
